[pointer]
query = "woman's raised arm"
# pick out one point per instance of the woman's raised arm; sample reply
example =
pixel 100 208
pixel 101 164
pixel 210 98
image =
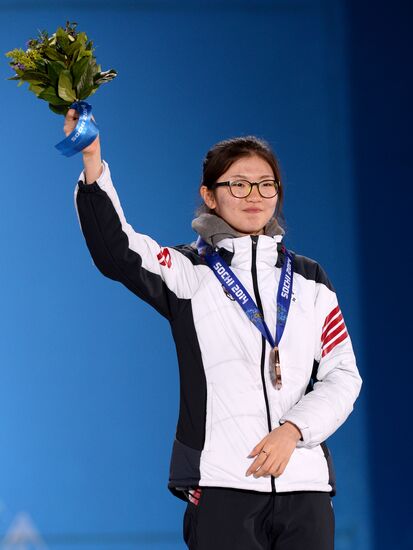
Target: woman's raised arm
pixel 165 277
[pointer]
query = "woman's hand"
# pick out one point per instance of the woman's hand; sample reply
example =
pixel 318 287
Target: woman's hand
pixel 274 451
pixel 92 160
pixel 71 120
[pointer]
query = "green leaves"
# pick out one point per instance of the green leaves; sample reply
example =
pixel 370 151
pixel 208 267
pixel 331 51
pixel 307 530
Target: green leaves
pixel 54 55
pixel 35 77
pixel 78 69
pixel 65 87
pixel 59 109
pixel 35 89
pixel 85 84
pixel 60 68
pixel 54 68
pixel 49 94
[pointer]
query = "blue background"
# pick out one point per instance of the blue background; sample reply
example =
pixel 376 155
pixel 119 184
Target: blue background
pixel 88 376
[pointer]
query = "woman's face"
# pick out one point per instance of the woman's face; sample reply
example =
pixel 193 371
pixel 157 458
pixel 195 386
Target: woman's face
pixel 250 215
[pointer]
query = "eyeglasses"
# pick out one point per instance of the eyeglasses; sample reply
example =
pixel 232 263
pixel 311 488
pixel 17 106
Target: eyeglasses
pixel 241 189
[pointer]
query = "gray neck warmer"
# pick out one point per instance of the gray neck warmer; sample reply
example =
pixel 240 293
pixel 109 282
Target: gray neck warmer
pixel 213 229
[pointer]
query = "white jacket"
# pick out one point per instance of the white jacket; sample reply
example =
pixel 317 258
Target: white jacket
pixel 227 401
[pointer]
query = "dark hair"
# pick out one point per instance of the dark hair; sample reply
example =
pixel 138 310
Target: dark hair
pixel 223 154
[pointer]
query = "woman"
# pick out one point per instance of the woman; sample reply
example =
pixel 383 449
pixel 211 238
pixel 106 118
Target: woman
pixel 249 454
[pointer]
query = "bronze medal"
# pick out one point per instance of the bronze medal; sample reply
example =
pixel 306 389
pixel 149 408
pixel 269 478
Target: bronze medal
pixel 275 368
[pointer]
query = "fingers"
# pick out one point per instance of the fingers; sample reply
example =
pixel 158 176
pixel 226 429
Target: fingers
pixel 262 467
pixel 71 118
pixel 274 468
pixel 279 446
pixel 258 448
pixel 261 457
pixel 258 463
pixel 72 114
pixel 255 451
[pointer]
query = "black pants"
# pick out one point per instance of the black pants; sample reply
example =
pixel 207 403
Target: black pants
pixel 234 519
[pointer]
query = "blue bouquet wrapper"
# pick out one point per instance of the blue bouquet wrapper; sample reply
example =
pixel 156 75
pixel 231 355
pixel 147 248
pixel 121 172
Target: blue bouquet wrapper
pixel 83 135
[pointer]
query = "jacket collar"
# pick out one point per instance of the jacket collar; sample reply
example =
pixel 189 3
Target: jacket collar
pixel 213 229
pixel 236 248
pixel 237 252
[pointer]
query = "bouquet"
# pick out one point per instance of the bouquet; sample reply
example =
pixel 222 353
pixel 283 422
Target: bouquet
pixel 62 70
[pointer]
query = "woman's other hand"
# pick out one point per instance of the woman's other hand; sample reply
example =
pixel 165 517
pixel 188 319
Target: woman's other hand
pixel 274 451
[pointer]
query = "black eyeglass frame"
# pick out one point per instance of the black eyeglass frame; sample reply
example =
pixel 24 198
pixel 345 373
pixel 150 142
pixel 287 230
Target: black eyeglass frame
pixel 252 183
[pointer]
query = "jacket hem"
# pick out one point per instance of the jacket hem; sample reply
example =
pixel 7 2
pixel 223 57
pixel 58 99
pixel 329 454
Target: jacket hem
pixel 176 488
pixel 280 487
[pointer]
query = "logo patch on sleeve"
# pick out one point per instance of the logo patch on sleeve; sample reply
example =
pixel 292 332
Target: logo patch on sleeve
pixel 334 331
pixel 164 257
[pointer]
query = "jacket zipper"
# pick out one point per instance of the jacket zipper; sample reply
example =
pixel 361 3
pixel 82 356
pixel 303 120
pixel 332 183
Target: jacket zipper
pixel 259 305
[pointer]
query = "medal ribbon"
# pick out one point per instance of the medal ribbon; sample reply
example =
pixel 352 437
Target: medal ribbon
pixel 235 288
pixel 83 135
